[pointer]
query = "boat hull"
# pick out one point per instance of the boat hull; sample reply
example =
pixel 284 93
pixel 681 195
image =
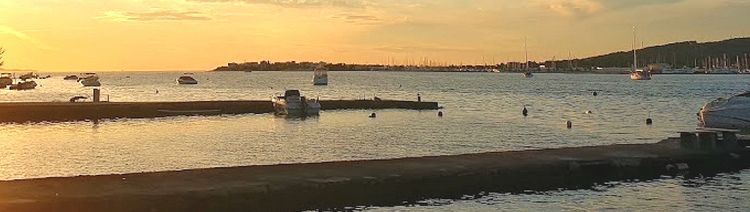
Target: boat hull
pixel 734 119
pixel 732 113
pixel 640 76
pixel 187 82
pixel 309 108
pixel 320 80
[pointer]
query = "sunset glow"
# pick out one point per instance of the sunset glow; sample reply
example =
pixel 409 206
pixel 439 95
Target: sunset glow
pixel 113 35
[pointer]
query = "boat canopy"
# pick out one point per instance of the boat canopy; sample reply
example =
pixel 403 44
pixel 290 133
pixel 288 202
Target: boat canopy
pixel 291 93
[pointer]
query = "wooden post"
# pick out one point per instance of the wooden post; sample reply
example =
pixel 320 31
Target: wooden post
pixel 707 140
pixel 688 140
pixel 729 140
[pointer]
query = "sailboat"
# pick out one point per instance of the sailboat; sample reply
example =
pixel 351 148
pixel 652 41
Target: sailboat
pixel 527 73
pixel 635 73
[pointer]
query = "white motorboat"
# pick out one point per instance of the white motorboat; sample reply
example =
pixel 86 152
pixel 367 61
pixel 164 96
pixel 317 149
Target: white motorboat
pixel 635 73
pixel 293 103
pixel 89 79
pixel 731 113
pixel 6 79
pixel 187 79
pixel 320 76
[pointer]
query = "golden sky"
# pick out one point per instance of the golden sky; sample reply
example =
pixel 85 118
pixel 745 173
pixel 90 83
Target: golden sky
pixel 113 35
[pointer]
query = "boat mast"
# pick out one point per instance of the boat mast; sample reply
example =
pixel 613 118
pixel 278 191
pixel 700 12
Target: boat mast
pixel 526 50
pixel 635 57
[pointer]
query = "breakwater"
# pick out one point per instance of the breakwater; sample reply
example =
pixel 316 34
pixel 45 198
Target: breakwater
pixel 334 185
pixel 73 111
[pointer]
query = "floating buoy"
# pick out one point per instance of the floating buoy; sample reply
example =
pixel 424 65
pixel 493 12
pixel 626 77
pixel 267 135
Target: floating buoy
pixel 588 112
pixel 569 124
pixel 372 115
pixel 595 94
pixel 649 121
pixel 525 112
pixel 440 113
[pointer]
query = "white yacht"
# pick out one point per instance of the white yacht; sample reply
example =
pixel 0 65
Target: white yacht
pixel 635 73
pixel 731 113
pixel 187 79
pixel 320 76
pixel 293 103
pixel 89 79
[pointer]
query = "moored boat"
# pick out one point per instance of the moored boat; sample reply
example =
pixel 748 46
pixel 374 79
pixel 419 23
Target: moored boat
pixel 5 80
pixel 731 113
pixel 89 79
pixel 71 77
pixel 24 85
pixel 186 79
pixel 293 103
pixel 320 76
pixel 528 74
pixel 635 73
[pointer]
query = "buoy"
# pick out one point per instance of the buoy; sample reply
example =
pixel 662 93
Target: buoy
pixel 157 91
pixel 595 94
pixel 372 115
pixel 649 121
pixel 525 112
pixel 588 112
pixel 569 124
pixel 440 113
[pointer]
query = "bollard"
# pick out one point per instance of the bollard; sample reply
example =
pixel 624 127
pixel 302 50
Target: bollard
pixel 97 94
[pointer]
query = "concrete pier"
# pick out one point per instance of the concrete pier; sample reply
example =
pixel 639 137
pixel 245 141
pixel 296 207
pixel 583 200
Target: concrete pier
pixel 334 185
pixel 73 111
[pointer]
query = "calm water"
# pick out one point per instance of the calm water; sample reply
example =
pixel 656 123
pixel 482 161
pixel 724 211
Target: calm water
pixel 482 113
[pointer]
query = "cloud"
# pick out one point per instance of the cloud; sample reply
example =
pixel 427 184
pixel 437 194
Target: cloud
pixel 574 7
pixel 297 3
pixel 422 48
pixel 157 15
pixel 23 36
pixel 587 7
pixel 359 19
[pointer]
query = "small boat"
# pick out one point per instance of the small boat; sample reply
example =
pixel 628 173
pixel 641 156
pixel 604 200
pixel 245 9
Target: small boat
pixel 187 79
pixel 639 74
pixel 28 76
pixel 320 76
pixel 71 77
pixel 89 79
pixel 528 74
pixel 731 113
pixel 25 85
pixel 293 103
pixel 635 73
pixel 5 80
